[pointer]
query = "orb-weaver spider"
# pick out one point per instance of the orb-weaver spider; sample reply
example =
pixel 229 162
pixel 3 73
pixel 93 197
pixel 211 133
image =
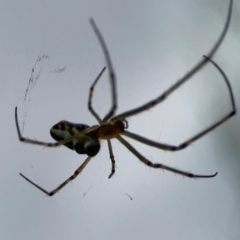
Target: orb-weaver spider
pixel 86 140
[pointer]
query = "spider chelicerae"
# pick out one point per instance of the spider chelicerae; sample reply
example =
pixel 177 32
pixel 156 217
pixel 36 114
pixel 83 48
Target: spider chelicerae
pixel 86 140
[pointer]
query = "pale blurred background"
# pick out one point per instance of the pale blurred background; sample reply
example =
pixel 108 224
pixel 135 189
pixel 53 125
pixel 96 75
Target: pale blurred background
pixel 152 44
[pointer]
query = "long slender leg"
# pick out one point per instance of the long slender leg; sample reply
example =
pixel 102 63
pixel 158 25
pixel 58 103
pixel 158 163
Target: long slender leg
pixel 226 80
pixel 112 158
pixel 56 144
pixel 112 76
pixel 159 165
pixel 90 108
pixel 187 76
pixel 51 193
pixel 196 137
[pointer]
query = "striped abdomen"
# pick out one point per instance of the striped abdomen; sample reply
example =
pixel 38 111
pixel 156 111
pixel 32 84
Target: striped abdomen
pixel 85 144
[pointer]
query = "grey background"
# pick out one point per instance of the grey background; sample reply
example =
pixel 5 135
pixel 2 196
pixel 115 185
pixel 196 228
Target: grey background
pixel 152 44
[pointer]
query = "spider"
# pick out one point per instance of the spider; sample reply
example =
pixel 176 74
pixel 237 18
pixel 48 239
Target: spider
pixel 86 140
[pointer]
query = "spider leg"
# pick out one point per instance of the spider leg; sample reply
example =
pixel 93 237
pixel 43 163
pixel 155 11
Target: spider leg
pixel 196 137
pixel 186 77
pixel 51 193
pixel 56 144
pixel 226 80
pixel 112 76
pixel 91 95
pixel 159 165
pixel 111 157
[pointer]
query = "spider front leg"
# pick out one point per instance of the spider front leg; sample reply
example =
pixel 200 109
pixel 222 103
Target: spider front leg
pixel 183 80
pixel 196 137
pixel 159 165
pixel 112 76
pixel 51 193
pixel 90 108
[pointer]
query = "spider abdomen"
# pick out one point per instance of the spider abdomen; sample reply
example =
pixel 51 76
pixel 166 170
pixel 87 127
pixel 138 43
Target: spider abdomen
pixel 84 144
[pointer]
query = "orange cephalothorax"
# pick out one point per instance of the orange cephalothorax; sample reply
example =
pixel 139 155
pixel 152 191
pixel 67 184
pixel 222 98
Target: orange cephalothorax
pixel 110 130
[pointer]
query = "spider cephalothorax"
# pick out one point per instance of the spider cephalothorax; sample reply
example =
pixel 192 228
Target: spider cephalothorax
pixel 86 140
pixel 110 130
